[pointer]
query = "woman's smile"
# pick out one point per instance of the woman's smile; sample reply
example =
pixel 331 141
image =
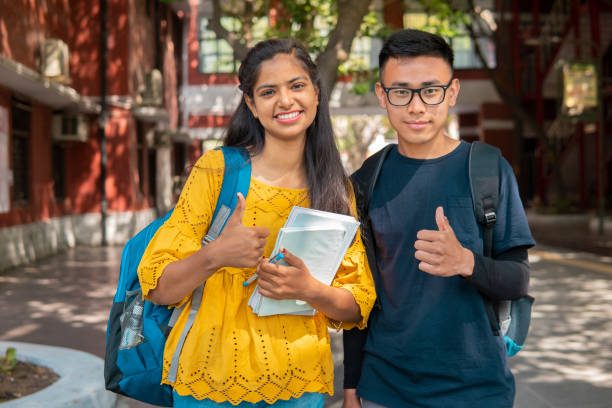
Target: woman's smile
pixel 289 117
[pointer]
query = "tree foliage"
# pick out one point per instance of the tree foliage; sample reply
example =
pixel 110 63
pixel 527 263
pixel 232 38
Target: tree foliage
pixel 326 27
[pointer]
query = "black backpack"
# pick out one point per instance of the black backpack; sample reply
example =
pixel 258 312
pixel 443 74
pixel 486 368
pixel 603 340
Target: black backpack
pixel 511 318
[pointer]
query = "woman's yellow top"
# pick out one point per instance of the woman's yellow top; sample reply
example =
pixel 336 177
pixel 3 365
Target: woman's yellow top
pixel 231 354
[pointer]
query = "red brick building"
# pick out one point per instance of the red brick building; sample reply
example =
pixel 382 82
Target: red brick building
pixel 170 85
pixel 79 149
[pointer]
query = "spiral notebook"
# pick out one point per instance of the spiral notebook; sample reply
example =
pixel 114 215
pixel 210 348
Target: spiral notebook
pixel 320 239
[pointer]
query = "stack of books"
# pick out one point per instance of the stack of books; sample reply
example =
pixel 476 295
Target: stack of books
pixel 320 239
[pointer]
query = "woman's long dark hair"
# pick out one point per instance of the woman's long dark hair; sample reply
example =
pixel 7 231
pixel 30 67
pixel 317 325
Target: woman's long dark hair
pixel 328 185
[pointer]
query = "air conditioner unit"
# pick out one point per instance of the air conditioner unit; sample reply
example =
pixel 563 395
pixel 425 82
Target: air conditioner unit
pixel 70 127
pixel 153 93
pixel 54 59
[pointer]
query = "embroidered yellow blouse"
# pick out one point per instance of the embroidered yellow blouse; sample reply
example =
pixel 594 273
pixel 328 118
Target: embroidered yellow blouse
pixel 231 354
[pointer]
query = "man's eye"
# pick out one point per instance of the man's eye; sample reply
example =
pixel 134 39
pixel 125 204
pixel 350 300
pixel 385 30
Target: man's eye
pixel 401 92
pixel 430 91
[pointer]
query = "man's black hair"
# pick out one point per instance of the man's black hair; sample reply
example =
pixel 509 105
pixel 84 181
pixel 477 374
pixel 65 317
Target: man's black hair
pixel 414 43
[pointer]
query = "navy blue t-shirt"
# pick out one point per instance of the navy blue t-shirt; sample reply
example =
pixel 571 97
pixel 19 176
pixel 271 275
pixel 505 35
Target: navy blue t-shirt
pixel 431 344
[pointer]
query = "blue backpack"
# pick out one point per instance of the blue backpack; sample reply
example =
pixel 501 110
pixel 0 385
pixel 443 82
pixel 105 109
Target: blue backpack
pixel 137 329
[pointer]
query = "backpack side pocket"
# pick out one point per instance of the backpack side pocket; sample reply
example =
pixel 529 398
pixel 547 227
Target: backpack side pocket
pixel 131 320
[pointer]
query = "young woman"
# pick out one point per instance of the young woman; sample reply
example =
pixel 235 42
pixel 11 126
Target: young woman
pixel 232 356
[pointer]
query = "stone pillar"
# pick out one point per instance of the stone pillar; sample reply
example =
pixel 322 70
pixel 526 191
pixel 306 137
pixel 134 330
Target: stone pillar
pixel 164 173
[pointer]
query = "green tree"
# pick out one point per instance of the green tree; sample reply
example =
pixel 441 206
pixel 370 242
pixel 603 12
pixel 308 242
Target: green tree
pixel 326 27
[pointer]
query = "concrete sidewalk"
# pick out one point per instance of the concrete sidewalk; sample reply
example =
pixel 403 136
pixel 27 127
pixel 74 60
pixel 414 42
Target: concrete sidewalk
pixel 65 300
pixel 578 232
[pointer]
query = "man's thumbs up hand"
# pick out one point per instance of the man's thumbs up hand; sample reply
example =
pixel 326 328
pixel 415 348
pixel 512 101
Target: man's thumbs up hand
pixel 442 221
pixel 240 246
pixel 440 252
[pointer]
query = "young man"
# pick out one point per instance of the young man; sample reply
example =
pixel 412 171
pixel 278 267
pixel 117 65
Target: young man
pixel 430 344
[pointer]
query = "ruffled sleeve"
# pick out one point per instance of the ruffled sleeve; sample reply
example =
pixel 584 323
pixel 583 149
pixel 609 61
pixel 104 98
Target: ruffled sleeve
pixel 181 235
pixel 354 275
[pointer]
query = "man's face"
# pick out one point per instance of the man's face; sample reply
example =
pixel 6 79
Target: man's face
pixel 417 124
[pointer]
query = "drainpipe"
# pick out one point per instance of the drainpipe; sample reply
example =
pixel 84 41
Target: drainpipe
pixel 184 111
pixel 103 118
pixel 600 155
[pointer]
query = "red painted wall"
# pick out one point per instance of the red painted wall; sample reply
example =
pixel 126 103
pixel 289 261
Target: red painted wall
pixel 25 23
pixel 81 166
pixel 85 47
pixel 131 47
pixel 502 138
pixel 208 121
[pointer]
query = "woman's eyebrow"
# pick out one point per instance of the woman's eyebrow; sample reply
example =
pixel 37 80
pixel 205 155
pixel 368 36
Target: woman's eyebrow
pixel 265 86
pixel 297 78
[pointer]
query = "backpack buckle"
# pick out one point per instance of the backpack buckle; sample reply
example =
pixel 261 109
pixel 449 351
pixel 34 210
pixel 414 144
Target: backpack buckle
pixel 490 218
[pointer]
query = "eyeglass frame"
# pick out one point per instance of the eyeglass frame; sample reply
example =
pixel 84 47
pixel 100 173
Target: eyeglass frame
pixel 417 91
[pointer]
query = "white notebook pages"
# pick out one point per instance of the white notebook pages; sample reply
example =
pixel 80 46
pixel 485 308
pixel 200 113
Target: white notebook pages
pixel 321 240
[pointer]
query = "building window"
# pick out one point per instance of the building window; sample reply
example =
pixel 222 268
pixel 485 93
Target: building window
pixel 179 168
pixel 152 166
pixel 180 158
pixel 59 171
pixel 21 113
pixel 465 52
pixel 364 53
pixel 216 55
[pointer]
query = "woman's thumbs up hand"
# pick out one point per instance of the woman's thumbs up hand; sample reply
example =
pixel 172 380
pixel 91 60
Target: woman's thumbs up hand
pixel 239 246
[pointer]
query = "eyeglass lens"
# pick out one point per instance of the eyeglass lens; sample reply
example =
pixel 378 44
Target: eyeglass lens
pixel 432 95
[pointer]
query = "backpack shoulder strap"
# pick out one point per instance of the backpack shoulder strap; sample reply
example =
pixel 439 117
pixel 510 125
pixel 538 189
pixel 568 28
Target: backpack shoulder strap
pixel 364 180
pixel 236 178
pixel 484 186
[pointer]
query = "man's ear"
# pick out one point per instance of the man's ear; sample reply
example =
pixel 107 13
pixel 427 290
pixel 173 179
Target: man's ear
pixel 251 105
pixel 380 93
pixel 453 92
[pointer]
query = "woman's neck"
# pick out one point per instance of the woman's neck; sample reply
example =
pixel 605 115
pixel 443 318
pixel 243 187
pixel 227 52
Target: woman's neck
pixel 281 164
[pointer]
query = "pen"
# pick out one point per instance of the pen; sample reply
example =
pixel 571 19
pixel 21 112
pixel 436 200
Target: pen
pixel 277 258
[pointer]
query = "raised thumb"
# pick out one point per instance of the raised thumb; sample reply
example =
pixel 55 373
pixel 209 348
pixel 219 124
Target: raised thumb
pixel 441 219
pixel 238 213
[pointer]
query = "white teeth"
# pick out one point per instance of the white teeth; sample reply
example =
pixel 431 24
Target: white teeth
pixel 288 115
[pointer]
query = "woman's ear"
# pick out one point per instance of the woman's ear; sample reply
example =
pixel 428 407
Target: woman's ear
pixel 251 105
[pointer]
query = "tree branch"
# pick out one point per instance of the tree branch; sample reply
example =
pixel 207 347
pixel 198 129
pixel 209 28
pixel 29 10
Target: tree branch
pixel 350 16
pixel 239 47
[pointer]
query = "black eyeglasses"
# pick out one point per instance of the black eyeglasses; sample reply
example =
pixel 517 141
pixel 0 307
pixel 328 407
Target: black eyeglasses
pixel 430 95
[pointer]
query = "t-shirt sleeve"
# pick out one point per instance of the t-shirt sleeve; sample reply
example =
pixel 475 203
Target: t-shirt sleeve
pixel 511 228
pixel 181 235
pixel 354 275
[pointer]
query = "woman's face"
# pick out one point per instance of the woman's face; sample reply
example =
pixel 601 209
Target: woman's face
pixel 284 98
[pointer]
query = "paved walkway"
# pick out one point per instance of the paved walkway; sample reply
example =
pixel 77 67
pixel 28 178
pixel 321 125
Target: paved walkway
pixel 576 232
pixel 567 360
pixel 64 301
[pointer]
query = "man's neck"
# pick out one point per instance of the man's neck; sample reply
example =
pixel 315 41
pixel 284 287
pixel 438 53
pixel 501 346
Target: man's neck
pixel 432 150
